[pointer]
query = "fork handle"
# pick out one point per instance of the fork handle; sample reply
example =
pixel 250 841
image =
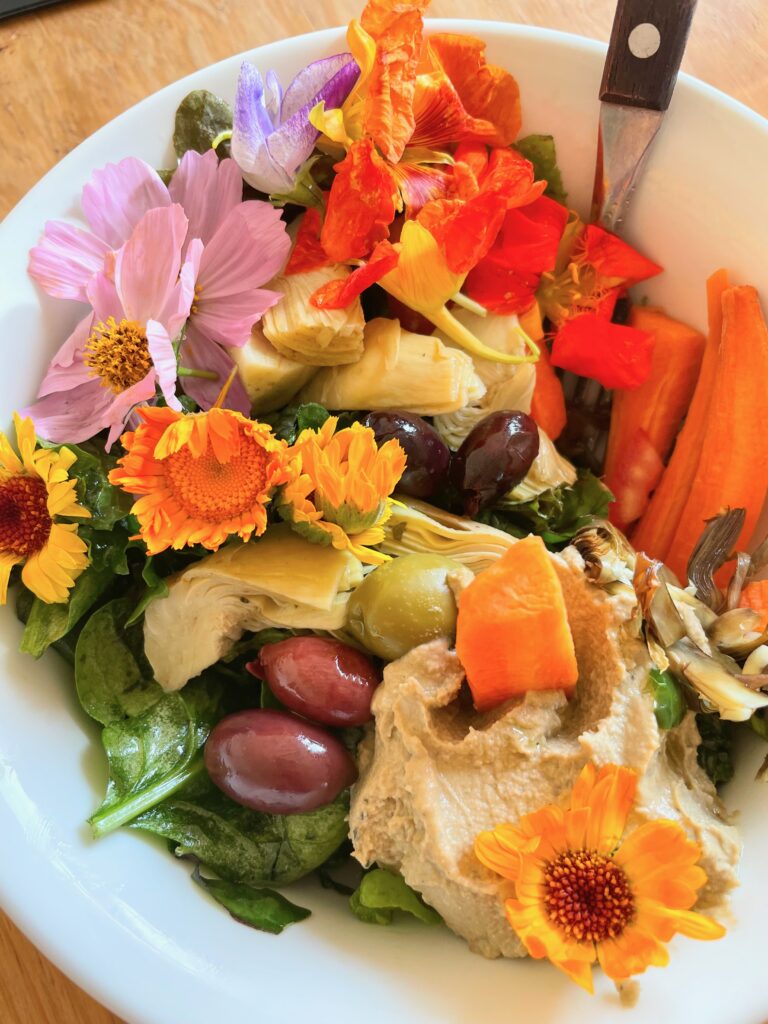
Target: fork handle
pixel 645 51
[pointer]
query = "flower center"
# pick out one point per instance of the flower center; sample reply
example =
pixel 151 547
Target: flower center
pixel 118 353
pixel 587 896
pixel 196 299
pixel 211 490
pixel 25 522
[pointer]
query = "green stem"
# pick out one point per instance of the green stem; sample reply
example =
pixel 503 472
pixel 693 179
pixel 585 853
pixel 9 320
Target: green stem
pixel 457 332
pixel 185 371
pixel 112 817
pixel 474 307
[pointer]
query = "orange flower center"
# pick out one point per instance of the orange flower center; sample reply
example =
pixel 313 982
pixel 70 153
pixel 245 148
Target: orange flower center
pixel 211 490
pixel 118 353
pixel 25 522
pixel 587 896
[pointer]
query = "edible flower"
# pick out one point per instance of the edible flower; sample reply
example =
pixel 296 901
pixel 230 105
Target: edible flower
pixel 340 490
pixel 585 892
pixel 272 135
pixel 200 477
pixel 35 491
pixel 116 358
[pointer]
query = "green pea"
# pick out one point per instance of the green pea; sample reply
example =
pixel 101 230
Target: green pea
pixel 668 701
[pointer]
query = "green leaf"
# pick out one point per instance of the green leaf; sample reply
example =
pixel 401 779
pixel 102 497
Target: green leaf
pixel 540 150
pixel 107 504
pixel 557 514
pixel 264 909
pixel 156 587
pixel 381 893
pixel 714 752
pixel 311 416
pixel 48 623
pixel 200 118
pixel 668 702
pixel 241 845
pixel 288 423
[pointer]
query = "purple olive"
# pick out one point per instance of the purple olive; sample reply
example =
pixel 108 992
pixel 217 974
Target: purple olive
pixel 428 456
pixel 319 678
pixel 276 763
pixel 494 457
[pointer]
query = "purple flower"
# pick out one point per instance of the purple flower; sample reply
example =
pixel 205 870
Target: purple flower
pixel 272 135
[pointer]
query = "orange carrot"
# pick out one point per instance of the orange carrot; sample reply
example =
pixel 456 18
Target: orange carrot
pixel 548 403
pixel 657 527
pixel 732 464
pixel 657 407
pixel 512 632
pixel 755 596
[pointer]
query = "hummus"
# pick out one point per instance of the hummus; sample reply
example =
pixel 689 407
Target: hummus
pixel 434 772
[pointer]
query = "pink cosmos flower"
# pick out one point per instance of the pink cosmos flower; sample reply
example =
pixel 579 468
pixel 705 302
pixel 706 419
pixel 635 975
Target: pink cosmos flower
pixel 118 355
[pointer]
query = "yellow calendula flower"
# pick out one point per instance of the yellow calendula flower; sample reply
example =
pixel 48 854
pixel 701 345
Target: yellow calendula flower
pixel 201 477
pixel 35 490
pixel 585 893
pixel 340 487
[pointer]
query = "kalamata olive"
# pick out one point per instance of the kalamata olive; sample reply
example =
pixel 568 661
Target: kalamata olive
pixel 276 763
pixel 320 678
pixel 428 456
pixel 404 603
pixel 494 457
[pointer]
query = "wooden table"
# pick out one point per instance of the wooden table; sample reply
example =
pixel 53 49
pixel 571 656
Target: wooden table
pixel 66 71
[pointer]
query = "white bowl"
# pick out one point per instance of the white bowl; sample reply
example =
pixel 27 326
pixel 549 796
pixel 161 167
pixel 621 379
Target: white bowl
pixel 119 916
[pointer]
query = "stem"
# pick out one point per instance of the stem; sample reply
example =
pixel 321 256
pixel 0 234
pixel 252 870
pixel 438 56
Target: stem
pixel 474 307
pixel 457 332
pixel 184 371
pixel 221 137
pixel 110 818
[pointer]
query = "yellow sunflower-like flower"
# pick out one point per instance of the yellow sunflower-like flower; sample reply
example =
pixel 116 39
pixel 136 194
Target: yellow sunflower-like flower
pixel 340 488
pixel 584 893
pixel 35 489
pixel 201 477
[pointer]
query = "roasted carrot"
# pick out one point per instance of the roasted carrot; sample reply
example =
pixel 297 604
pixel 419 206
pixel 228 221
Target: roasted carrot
pixel 512 632
pixel 548 403
pixel 657 527
pixel 755 596
pixel 657 407
pixel 733 457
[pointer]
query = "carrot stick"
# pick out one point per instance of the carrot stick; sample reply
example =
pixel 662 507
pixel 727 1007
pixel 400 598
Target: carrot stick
pixel 733 456
pixel 657 527
pixel 548 403
pixel 657 407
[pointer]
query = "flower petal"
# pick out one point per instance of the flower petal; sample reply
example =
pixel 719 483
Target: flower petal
pixel 73 415
pixel 615 355
pixel 207 188
pixel 104 299
pixel 251 127
pixel 123 403
pixel 318 80
pixel 198 352
pixel 117 197
pixel 614 259
pixel 307 252
pixel 147 267
pixel 419 183
pixel 340 293
pixel 164 360
pixel 65 259
pixel 67 369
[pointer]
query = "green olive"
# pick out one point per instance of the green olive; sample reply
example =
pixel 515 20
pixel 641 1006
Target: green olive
pixel 668 700
pixel 404 603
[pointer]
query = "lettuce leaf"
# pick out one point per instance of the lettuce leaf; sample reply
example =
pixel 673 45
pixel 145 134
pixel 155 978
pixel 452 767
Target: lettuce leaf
pixel 381 893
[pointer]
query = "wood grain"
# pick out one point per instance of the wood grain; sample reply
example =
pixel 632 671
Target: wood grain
pixel 68 70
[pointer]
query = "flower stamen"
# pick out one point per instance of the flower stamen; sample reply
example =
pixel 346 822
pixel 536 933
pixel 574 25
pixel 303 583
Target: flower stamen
pixel 25 522
pixel 118 353
pixel 587 896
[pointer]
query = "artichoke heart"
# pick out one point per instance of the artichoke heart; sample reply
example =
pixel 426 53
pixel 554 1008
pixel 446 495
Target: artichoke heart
pixel 317 337
pixel 279 580
pixel 399 370
pixel 270 379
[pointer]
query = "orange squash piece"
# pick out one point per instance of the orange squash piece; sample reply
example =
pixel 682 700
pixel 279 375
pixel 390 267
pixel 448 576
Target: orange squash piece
pixel 512 632
pixel 755 596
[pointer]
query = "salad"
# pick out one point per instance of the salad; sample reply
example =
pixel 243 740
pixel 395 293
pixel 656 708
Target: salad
pixel 391 541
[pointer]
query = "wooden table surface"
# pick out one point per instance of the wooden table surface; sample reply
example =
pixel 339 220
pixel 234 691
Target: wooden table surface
pixel 68 70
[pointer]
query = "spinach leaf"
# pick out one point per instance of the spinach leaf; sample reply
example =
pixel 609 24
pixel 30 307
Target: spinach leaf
pixel 381 893
pixel 288 423
pixel 201 118
pixel 241 845
pixel 557 514
pixel 540 150
pixel 715 752
pixel 107 504
pixel 265 909
pixel 156 588
pixel 48 623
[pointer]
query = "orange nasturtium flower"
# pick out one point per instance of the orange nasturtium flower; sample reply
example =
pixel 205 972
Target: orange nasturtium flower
pixel 585 893
pixel 35 490
pixel 200 477
pixel 340 489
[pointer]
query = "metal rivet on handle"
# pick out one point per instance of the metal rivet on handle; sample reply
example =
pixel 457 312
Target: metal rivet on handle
pixel 644 40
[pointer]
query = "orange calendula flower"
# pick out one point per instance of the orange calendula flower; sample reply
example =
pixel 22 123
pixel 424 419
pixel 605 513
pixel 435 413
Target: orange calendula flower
pixel 585 893
pixel 340 487
pixel 35 490
pixel 201 477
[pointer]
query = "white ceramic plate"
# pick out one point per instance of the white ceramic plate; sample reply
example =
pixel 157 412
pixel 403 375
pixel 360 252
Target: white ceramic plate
pixel 120 916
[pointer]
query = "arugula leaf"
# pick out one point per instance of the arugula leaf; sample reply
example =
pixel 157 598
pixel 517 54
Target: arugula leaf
pixel 200 118
pixel 540 150
pixel 381 893
pixel 241 845
pixel 557 514
pixel 156 588
pixel 264 909
pixel 715 752
pixel 48 623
